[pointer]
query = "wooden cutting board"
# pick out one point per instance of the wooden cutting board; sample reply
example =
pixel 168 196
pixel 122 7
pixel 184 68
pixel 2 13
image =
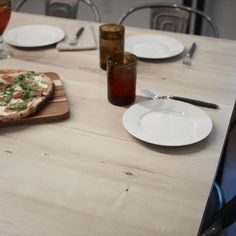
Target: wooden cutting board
pixel 55 109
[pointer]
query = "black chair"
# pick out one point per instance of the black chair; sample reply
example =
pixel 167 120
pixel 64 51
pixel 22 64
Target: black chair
pixel 64 8
pixel 216 221
pixel 170 17
pixel 215 202
pixel 223 218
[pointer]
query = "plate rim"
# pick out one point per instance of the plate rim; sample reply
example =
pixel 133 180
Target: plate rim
pixel 52 27
pixel 151 36
pixel 131 132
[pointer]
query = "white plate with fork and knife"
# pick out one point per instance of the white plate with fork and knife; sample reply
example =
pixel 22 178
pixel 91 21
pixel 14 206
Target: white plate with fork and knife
pixel 167 122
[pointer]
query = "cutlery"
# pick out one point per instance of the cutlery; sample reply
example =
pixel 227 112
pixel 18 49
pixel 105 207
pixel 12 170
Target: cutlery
pixel 188 58
pixel 183 99
pixel 74 42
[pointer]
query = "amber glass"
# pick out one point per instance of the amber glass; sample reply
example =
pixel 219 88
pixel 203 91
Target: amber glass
pixel 121 78
pixel 5 13
pixel 111 40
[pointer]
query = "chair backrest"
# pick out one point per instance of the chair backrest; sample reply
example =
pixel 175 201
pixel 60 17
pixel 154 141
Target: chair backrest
pixel 64 8
pixel 61 8
pixel 172 17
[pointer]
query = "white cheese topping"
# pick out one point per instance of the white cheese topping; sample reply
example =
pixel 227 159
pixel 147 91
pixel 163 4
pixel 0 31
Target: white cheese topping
pixel 18 88
pixel 2 112
pixel 2 81
pixel 42 82
pixel 14 101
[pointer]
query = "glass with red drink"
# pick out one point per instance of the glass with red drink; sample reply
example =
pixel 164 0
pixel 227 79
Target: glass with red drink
pixel 121 78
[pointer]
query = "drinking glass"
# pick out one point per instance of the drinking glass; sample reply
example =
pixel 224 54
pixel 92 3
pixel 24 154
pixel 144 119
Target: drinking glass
pixel 111 40
pixel 121 78
pixel 5 13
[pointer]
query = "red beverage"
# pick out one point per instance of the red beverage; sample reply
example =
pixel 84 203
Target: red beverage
pixel 5 13
pixel 121 78
pixel 121 89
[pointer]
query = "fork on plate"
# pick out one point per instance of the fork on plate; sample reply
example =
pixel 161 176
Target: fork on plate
pixel 183 99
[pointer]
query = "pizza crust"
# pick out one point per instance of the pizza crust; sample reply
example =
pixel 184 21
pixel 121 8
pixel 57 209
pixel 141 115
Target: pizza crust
pixel 34 104
pixel 13 72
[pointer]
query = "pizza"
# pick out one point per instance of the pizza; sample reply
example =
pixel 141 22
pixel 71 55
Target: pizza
pixel 22 93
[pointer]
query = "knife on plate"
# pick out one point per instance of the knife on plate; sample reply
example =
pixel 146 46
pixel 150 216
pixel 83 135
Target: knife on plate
pixel 188 58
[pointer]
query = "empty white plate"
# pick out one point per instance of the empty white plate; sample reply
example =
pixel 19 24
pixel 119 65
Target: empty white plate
pixel 153 46
pixel 34 35
pixel 167 122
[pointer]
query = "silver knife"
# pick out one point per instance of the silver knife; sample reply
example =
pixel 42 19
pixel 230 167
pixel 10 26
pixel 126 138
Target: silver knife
pixel 74 42
pixel 188 58
pixel 195 102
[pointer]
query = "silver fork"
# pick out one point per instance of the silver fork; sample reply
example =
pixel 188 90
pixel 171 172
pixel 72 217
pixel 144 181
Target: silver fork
pixel 153 95
pixel 183 99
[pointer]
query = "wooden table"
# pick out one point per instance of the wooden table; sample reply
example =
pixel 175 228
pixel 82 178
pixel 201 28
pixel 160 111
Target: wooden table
pixel 86 175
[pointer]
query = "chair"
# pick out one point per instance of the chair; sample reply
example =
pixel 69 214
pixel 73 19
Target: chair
pixel 67 9
pixel 222 219
pixel 214 222
pixel 64 8
pixel 170 17
pixel 215 202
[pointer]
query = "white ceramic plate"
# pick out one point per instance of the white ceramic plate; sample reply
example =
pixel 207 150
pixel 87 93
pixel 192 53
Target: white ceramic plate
pixel 167 122
pixel 153 46
pixel 34 35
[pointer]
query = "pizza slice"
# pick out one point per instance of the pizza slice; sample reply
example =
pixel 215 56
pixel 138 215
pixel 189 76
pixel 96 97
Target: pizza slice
pixel 22 93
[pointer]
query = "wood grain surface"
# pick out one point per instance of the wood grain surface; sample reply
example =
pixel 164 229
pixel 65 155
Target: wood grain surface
pixel 86 175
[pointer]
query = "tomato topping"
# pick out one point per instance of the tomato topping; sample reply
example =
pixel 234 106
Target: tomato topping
pixel 17 94
pixel 29 81
pixel 9 79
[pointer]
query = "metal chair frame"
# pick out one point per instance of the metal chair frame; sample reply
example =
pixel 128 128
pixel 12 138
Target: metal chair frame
pixel 87 2
pixel 223 218
pixel 175 6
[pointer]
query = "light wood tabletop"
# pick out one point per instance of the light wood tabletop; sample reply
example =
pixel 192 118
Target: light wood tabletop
pixel 86 175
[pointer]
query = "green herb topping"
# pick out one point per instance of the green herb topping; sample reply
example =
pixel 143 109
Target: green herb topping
pixel 18 106
pixel 2 104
